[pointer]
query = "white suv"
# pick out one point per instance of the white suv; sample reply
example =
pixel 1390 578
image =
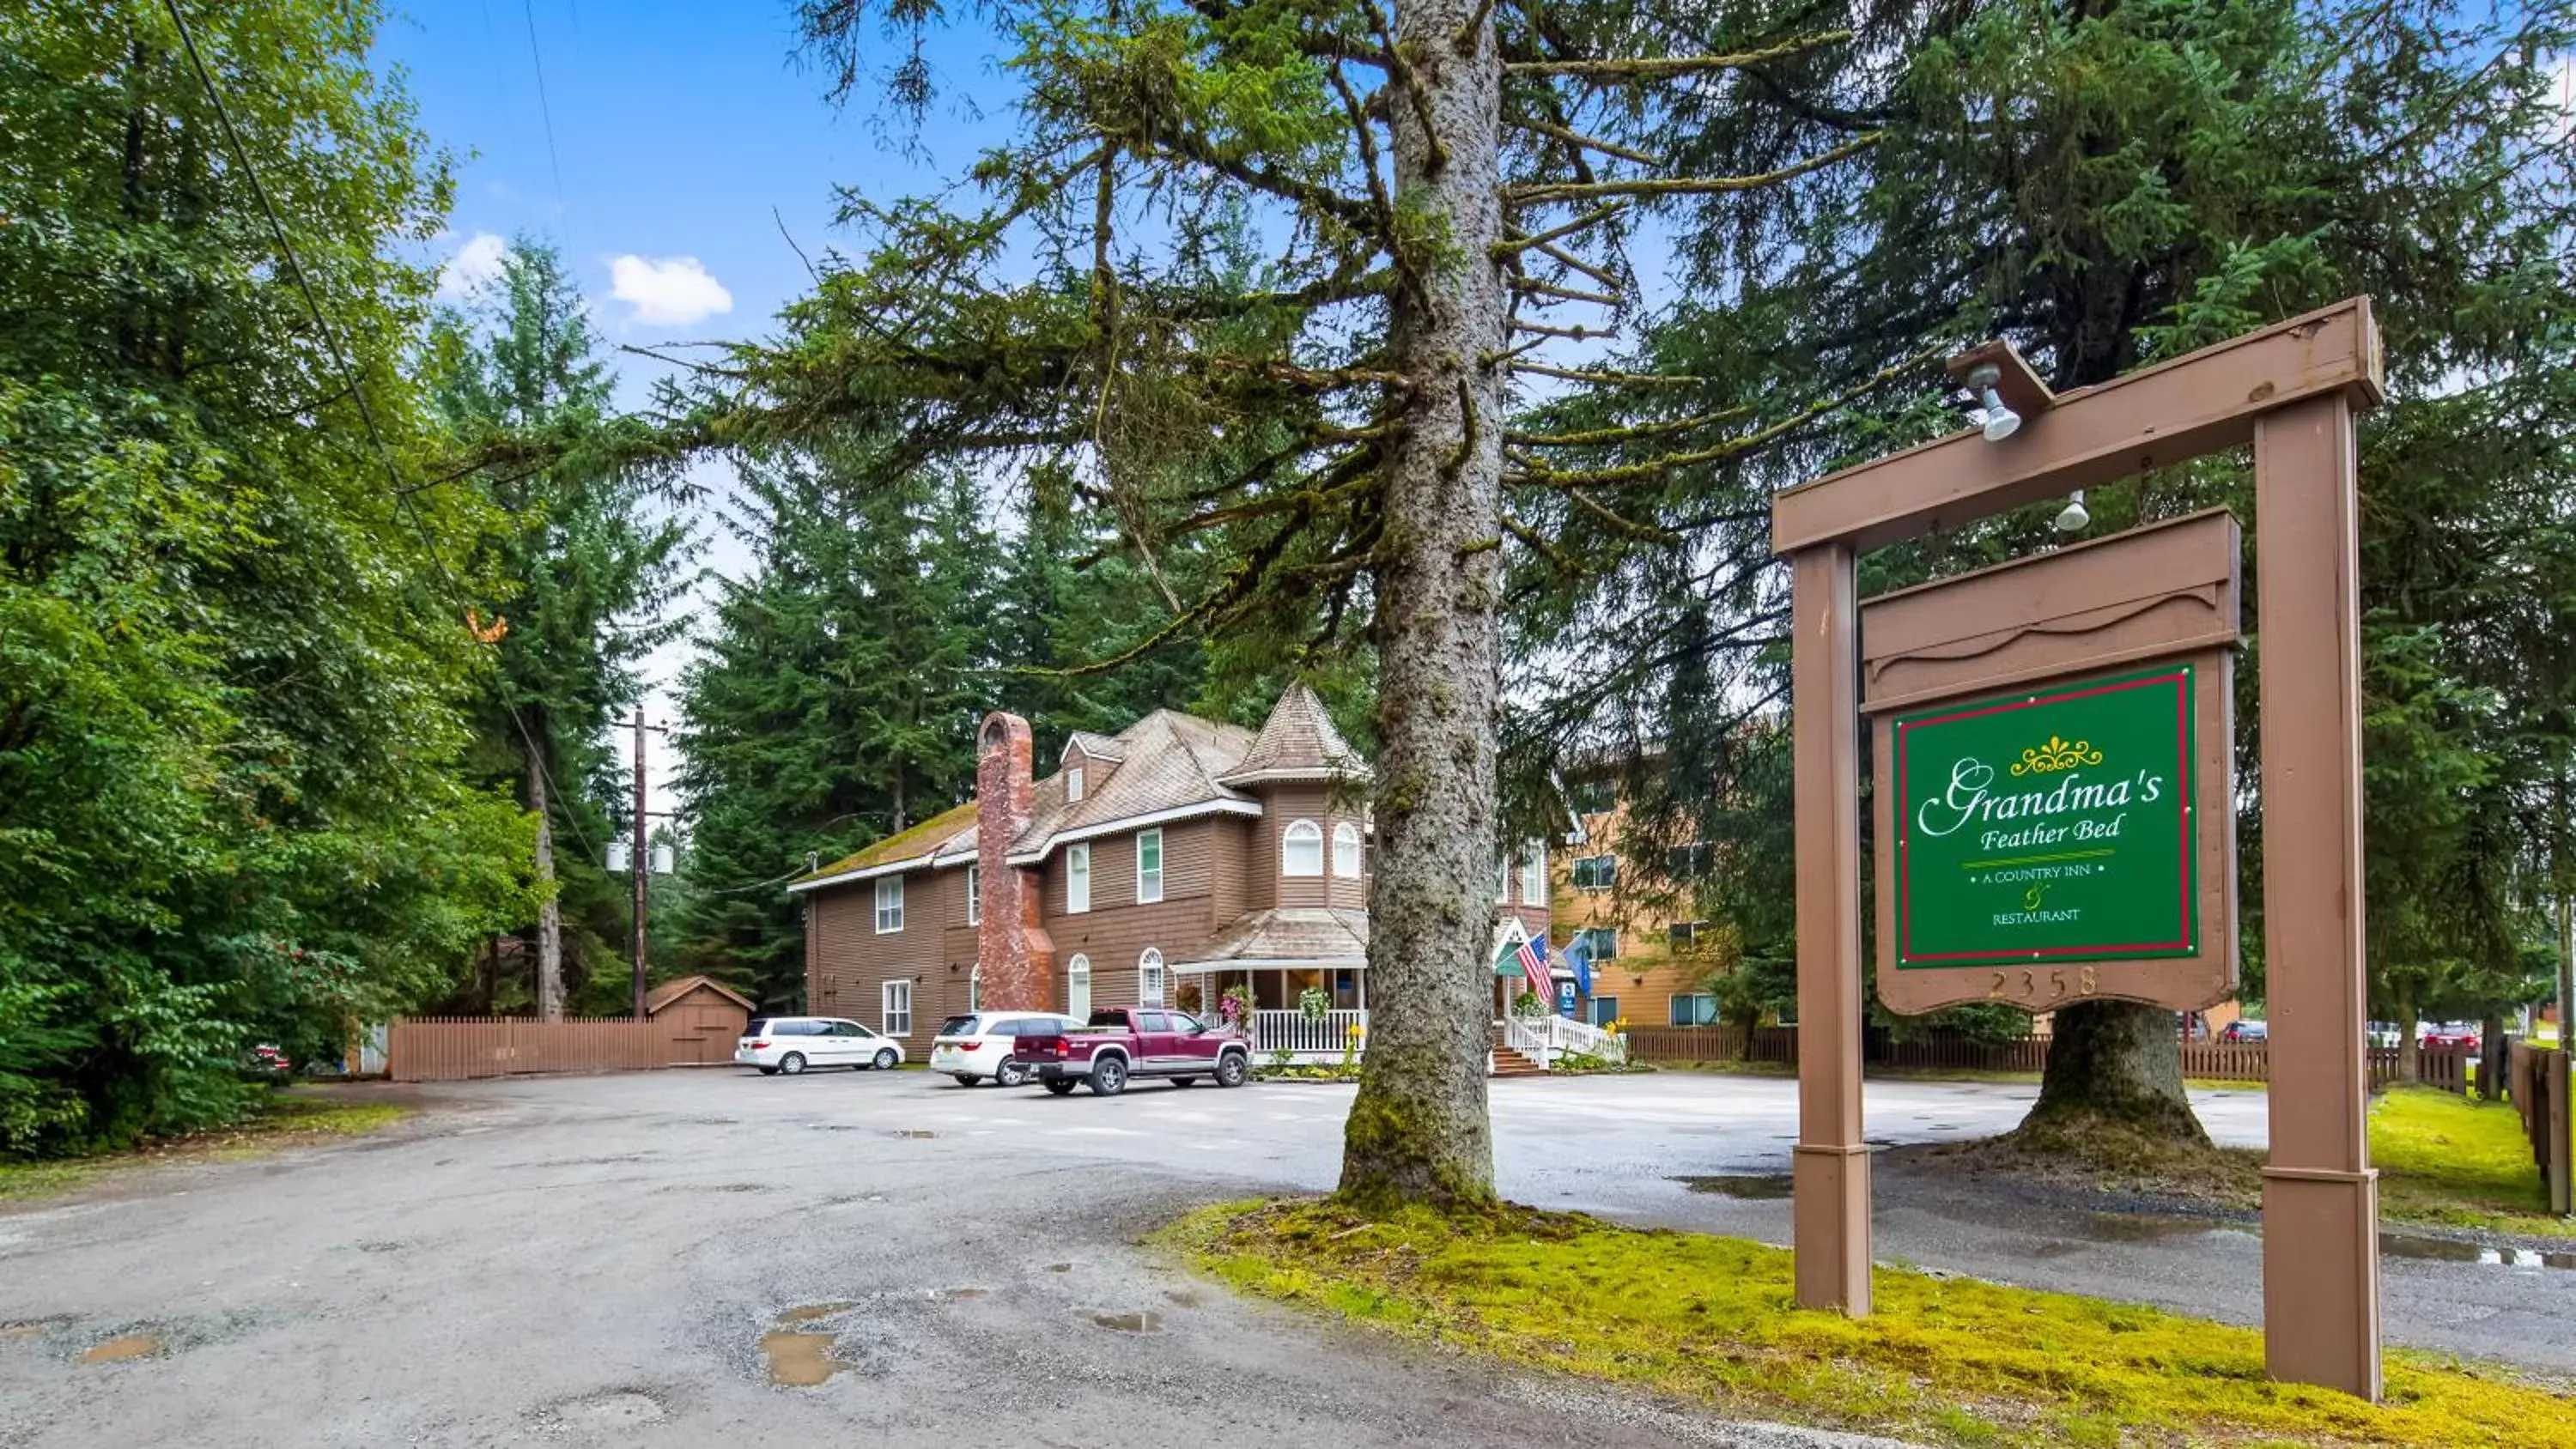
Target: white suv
pixel 790 1044
pixel 987 1044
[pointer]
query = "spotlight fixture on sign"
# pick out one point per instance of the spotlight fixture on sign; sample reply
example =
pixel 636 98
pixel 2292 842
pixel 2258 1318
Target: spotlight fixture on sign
pixel 2073 517
pixel 2001 421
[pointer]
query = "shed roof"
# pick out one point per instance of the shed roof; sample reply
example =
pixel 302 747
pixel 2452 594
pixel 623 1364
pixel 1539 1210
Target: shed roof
pixel 671 991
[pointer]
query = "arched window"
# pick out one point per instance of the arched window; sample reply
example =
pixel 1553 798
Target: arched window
pixel 1346 850
pixel 1077 989
pixel 1149 977
pixel 1301 849
pixel 975 989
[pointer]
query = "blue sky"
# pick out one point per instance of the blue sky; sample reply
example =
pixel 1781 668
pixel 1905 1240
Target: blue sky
pixel 683 135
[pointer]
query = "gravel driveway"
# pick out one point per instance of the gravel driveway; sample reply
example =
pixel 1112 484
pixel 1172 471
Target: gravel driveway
pixel 647 1259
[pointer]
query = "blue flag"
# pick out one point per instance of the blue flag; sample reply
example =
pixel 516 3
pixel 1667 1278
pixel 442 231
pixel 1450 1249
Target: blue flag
pixel 1578 955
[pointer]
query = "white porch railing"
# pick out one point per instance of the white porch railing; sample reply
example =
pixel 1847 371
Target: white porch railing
pixel 1543 1039
pixel 1294 1031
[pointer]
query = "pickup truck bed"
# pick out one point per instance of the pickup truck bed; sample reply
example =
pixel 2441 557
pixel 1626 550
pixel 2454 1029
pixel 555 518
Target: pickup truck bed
pixel 1123 1043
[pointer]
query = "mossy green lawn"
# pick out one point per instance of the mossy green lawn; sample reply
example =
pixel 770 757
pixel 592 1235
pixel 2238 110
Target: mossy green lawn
pixel 285 1119
pixel 1950 1361
pixel 2445 1159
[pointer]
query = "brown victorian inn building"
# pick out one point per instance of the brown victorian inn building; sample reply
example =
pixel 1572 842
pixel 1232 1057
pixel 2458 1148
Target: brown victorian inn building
pixel 1158 866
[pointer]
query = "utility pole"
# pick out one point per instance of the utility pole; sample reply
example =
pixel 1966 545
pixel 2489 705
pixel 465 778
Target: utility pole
pixel 642 861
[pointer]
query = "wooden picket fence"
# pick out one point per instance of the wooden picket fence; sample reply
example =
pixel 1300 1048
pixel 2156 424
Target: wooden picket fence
pixel 468 1048
pixel 2213 1061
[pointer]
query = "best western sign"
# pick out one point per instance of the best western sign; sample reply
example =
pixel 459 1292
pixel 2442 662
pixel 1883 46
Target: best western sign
pixel 2053 825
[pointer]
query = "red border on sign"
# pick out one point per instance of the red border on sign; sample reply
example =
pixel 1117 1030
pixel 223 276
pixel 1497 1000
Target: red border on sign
pixel 2182 773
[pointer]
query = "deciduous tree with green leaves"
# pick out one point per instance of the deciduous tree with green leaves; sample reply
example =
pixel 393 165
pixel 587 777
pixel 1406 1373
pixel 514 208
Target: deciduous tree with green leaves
pixel 232 663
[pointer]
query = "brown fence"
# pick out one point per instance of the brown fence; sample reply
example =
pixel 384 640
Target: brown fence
pixel 2203 1060
pixel 458 1049
pixel 2539 1089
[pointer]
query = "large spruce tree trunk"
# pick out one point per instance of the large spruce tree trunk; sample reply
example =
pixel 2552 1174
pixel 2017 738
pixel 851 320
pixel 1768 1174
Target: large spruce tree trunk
pixel 550 992
pixel 2114 1074
pixel 1418 1133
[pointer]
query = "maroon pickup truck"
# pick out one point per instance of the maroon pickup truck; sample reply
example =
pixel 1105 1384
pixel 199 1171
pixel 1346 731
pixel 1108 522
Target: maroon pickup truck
pixel 1126 1042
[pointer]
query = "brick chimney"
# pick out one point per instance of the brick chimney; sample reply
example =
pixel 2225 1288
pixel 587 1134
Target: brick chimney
pixel 1011 947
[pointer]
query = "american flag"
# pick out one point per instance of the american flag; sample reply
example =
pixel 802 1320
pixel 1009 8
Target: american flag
pixel 1533 961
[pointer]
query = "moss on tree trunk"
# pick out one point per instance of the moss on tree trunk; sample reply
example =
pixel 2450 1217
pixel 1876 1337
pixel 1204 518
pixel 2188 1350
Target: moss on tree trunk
pixel 1419 1133
pixel 2114 1077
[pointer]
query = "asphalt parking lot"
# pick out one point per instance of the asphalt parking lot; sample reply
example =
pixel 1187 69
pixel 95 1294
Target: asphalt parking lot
pixel 644 1259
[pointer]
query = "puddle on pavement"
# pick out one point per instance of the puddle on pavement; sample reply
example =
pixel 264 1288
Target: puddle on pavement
pixel 124 1348
pixel 799 1360
pixel 965 1295
pixel 917 1133
pixel 1764 1185
pixel 812 1311
pixel 1147 1322
pixel 2449 1250
pixel 1059 1267
pixel 22 1330
pixel 2145 1227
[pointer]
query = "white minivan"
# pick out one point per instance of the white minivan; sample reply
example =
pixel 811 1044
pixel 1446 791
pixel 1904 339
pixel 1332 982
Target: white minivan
pixel 986 1045
pixel 788 1045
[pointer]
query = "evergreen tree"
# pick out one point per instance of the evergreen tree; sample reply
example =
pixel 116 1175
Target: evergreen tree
pixel 233 662
pixel 1413 191
pixel 834 700
pixel 2106 185
pixel 593 573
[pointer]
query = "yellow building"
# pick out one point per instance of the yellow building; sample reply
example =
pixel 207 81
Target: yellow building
pixel 1631 901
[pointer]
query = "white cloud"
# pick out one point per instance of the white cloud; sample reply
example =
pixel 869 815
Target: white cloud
pixel 476 265
pixel 667 290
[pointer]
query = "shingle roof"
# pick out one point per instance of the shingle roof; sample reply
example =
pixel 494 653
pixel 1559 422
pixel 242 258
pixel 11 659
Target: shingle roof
pixel 1171 760
pixel 929 836
pixel 670 991
pixel 1099 747
pixel 1289 933
pixel 1298 742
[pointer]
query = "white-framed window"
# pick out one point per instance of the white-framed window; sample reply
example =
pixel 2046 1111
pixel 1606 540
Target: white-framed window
pixel 1683 935
pixel 1534 873
pixel 1072 783
pixel 1694 1008
pixel 975 989
pixel 1077 988
pixel 896 1001
pixel 1149 978
pixel 1503 878
pixel 1149 866
pixel 1077 878
pixel 1594 872
pixel 1601 941
pixel 1346 851
pixel 1601 1010
pixel 1301 848
pixel 974 894
pixel 889 904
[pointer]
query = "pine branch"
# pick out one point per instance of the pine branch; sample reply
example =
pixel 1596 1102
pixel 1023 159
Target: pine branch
pixel 1411 80
pixel 1620 523
pixel 1572 137
pixel 1604 437
pixel 1585 222
pixel 1645 186
pixel 1668 66
pixel 1556 558
pixel 1570 261
pixel 1578 331
pixel 1369 162
pixel 1531 286
pixel 1621 379
pixel 1189 146
pixel 1465 40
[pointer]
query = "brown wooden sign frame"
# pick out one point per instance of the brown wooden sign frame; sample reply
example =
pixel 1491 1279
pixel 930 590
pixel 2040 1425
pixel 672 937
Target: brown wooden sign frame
pixel 2291 390
pixel 2166 592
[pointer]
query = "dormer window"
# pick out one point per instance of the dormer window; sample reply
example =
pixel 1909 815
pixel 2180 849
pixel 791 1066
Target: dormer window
pixel 1301 849
pixel 1346 851
pixel 1072 783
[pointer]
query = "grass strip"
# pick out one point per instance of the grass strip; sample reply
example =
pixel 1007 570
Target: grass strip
pixel 290 1118
pixel 1945 1360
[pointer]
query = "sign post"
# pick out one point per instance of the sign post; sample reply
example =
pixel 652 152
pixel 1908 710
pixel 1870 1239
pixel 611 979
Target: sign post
pixel 2055 805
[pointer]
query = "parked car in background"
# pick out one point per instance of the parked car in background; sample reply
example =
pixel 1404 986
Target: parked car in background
pixel 1125 1042
pixel 789 1045
pixel 2383 1034
pixel 267 1061
pixel 985 1046
pixel 2447 1036
pixel 2243 1029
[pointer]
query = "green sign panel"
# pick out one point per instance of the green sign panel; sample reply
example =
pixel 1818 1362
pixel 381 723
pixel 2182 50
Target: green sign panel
pixel 2048 825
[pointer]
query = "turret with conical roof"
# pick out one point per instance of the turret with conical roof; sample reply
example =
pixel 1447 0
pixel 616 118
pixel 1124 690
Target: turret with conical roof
pixel 1297 743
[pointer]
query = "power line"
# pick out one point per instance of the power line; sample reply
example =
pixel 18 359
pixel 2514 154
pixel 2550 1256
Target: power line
pixel 544 112
pixel 348 379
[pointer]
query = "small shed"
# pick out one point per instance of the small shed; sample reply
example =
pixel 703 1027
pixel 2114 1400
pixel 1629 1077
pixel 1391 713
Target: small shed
pixel 701 1017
